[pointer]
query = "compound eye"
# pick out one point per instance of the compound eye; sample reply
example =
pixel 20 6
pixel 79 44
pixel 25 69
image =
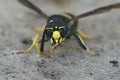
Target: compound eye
pixel 49 33
pixel 63 32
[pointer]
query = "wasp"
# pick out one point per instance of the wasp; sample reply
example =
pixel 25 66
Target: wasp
pixel 61 27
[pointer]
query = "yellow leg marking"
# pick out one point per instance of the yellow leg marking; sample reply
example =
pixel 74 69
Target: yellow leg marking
pixel 83 35
pixel 39 52
pixel 87 49
pixel 91 52
pixel 38 48
pixel 51 48
pixel 36 44
pixel 31 46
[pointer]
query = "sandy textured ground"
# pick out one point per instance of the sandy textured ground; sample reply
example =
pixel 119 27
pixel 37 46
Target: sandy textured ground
pixel 68 62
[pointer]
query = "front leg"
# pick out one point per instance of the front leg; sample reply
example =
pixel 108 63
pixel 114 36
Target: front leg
pixel 39 52
pixel 36 44
pixel 52 47
pixel 35 41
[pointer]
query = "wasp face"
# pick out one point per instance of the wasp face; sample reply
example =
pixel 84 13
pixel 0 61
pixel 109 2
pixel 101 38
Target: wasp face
pixel 56 34
pixel 56 28
pixel 56 38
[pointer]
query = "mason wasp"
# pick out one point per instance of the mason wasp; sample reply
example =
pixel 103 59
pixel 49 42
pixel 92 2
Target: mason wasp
pixel 61 27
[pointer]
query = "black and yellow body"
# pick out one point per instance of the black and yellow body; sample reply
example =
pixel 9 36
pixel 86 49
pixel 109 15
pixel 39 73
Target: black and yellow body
pixel 58 28
pixel 61 27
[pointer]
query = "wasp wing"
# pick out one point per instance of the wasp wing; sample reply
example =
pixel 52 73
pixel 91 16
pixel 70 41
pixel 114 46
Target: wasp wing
pixel 98 11
pixel 30 5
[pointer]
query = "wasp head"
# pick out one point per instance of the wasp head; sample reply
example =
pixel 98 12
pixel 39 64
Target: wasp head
pixel 56 28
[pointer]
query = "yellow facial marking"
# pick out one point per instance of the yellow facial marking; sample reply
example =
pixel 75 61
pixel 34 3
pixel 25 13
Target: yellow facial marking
pixel 61 27
pixel 49 28
pixel 51 21
pixel 56 35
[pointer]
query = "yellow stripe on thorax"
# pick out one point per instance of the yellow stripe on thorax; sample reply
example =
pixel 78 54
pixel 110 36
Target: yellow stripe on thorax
pixel 69 17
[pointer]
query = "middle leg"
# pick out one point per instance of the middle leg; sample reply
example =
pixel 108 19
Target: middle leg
pixel 84 36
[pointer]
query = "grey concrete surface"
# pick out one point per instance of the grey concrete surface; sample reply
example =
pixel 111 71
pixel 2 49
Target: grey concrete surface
pixel 68 62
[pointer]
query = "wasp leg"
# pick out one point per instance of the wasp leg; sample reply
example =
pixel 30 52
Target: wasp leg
pixel 40 30
pixel 84 36
pixel 46 53
pixel 52 47
pixel 31 46
pixel 82 43
pixel 35 43
pixel 85 47
pixel 39 52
